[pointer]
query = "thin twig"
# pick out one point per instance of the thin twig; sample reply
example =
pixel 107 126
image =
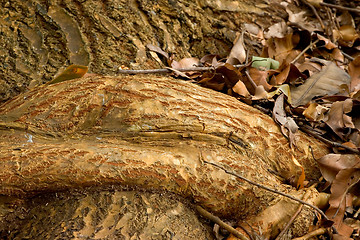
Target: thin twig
pixel 347 56
pixel 168 70
pixel 250 79
pixel 222 224
pixel 333 144
pixel 271 190
pixel 340 7
pixel 303 51
pixel 315 12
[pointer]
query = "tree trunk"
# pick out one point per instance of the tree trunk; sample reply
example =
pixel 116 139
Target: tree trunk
pixel 40 37
pixel 149 132
pixel 139 133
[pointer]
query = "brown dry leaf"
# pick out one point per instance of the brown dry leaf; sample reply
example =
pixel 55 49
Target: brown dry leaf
pixel 71 72
pixel 238 53
pixel 315 112
pixel 328 44
pixel 260 78
pixel 300 20
pixel 332 163
pixel 354 71
pixel 337 55
pixel 288 75
pixel 310 67
pixel 209 59
pixel 186 63
pixel 287 124
pixel 158 50
pixel 260 93
pixel 337 119
pixel 326 82
pixel 345 179
pixel 241 89
pixel 225 78
pixel 278 30
pixel 280 48
pixel 346 35
pixel 315 3
pixel 301 178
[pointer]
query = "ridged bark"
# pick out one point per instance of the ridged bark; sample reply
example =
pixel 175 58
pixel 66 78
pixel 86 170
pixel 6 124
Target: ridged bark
pixel 149 132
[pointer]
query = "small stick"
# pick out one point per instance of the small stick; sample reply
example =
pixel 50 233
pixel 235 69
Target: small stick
pixel 271 190
pixel 250 79
pixel 334 144
pixel 347 56
pixel 303 51
pixel 222 224
pixel 340 7
pixel 168 70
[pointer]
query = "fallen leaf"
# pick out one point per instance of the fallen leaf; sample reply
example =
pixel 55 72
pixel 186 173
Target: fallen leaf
pixel 301 178
pixel 289 75
pixel 185 63
pixel 326 82
pixel 299 19
pixel 209 58
pixel 157 49
pixel 354 71
pixel 225 77
pixel 332 163
pixel 280 48
pixel 241 89
pixel 328 44
pixel 287 124
pixel 238 53
pixel 260 93
pixel 346 35
pixel 315 112
pixel 260 78
pixel 71 72
pixel 344 180
pixel 278 30
pixel 337 119
pixel 310 67
pixel 315 3
pixel 284 88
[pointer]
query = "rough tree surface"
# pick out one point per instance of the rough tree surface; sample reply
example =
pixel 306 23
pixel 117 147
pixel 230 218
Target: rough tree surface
pixel 38 38
pixel 70 150
pixel 148 132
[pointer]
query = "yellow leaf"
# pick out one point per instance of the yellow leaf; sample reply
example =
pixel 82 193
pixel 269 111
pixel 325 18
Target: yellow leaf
pixel 71 72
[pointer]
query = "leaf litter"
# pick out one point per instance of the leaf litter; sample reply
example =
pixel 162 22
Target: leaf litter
pixel 310 77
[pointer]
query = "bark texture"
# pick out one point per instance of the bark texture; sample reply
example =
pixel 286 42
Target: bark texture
pixel 148 132
pixel 39 37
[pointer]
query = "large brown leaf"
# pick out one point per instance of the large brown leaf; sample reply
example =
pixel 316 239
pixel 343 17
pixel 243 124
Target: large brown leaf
pixel 343 171
pixel 326 82
pixel 337 118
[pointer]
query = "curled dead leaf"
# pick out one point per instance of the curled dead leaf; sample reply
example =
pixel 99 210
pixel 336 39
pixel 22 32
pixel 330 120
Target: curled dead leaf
pixel 288 126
